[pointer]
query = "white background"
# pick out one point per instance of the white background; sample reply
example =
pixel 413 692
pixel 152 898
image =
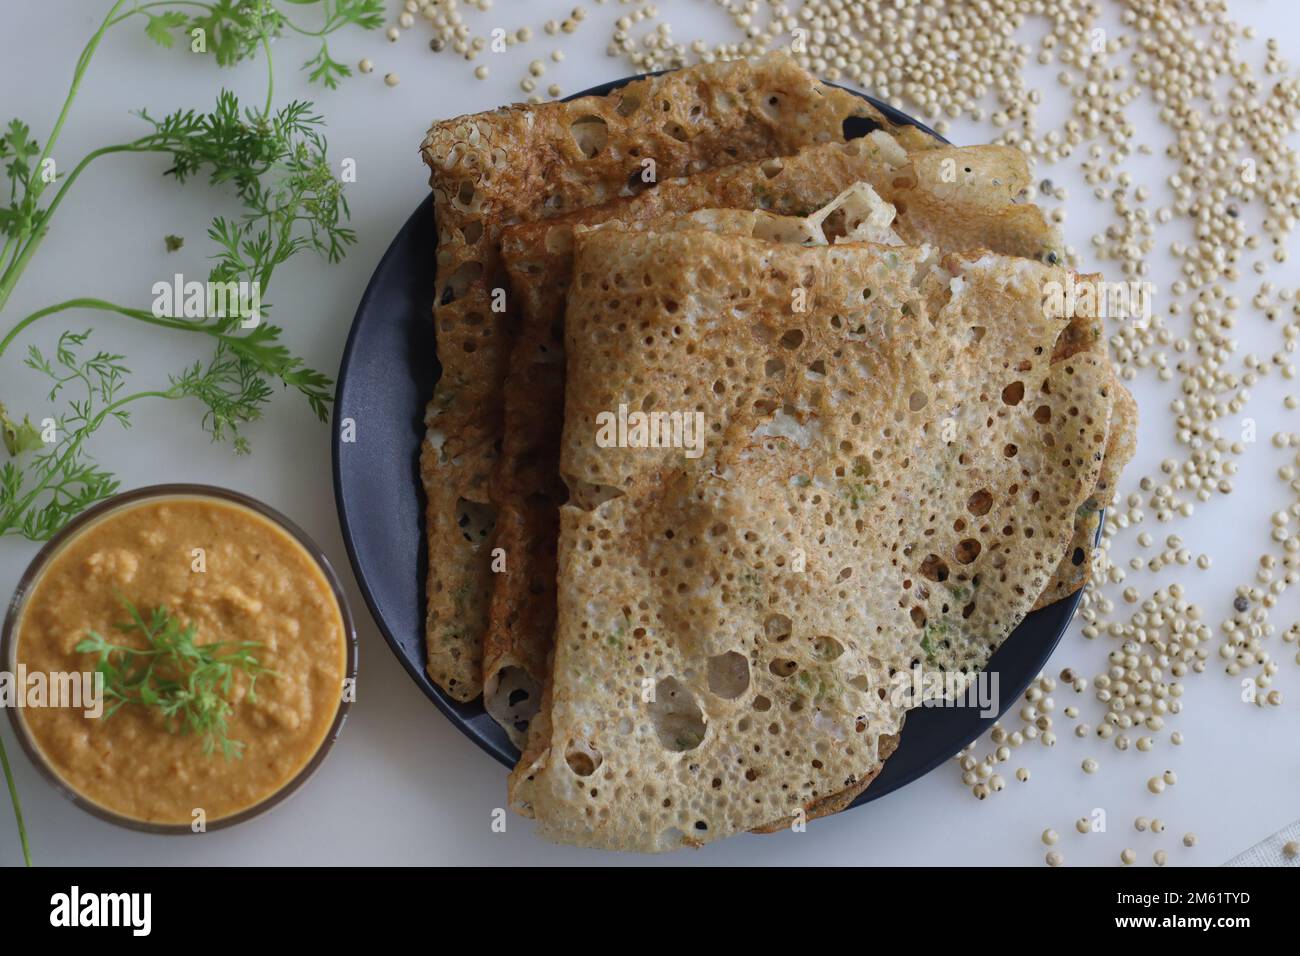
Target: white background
pixel 402 785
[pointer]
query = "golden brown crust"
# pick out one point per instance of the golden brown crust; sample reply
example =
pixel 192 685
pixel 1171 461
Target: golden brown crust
pixel 946 196
pixel 523 163
pixel 769 695
pixel 526 489
pixel 512 434
pixel 838 802
pixel 963 198
pixel 458 525
pixel 1086 334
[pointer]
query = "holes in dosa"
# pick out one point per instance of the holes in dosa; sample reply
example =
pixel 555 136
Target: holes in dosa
pixel 475 520
pixel 934 568
pixel 636 182
pixel 980 502
pixel 512 697
pixel 591 134
pixel 855 127
pixel 777 627
pixel 827 648
pixel 465 194
pixel 968 549
pixel 783 667
pixel 458 282
pixel 792 339
pixel 728 675
pixel 677 131
pixel 628 104
pixel 676 716
pixel 770 106
pixel 1013 393
pixel 582 758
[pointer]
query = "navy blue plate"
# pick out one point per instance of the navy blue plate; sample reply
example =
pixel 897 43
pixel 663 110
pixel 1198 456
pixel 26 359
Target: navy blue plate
pixel 385 380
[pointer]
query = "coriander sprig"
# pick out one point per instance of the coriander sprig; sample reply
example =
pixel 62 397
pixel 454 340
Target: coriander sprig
pixel 259 349
pixel 233 31
pixel 276 162
pixel 188 682
pixel 61 481
pixel 279 168
pixel 236 29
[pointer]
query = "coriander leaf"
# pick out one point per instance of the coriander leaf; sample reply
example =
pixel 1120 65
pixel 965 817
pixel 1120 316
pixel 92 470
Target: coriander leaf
pixel 279 168
pixel 60 481
pixel 367 14
pixel 159 27
pixel 173 243
pixel 233 391
pixel 18 151
pixel 277 164
pixel 261 348
pixel 17 146
pixel 187 681
pixel 235 28
pixel 325 69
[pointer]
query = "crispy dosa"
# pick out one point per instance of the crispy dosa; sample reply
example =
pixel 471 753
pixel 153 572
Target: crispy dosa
pixel 525 163
pixel 955 198
pixel 892 471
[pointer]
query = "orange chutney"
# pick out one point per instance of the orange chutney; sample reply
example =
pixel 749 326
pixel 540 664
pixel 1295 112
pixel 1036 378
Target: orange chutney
pixel 236 576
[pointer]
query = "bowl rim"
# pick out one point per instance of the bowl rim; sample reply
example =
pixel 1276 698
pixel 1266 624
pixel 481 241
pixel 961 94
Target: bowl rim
pixel 65 536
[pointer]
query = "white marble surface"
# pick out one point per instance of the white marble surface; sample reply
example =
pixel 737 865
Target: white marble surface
pixel 403 786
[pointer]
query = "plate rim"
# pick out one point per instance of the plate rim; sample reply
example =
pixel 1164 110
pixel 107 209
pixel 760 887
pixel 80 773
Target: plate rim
pixel 416 672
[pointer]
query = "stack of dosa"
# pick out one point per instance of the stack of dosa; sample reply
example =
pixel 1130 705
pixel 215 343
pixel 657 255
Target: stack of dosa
pixel 698 686
pixel 525 163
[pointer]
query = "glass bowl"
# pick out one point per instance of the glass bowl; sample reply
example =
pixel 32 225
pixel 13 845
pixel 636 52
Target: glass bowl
pixel 9 649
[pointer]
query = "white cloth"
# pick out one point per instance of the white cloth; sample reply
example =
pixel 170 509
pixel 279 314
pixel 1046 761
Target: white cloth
pixel 1268 852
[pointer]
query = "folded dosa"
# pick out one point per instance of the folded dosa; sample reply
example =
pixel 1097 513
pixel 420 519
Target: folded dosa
pixel 525 489
pixel 891 474
pixel 954 198
pixel 525 163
